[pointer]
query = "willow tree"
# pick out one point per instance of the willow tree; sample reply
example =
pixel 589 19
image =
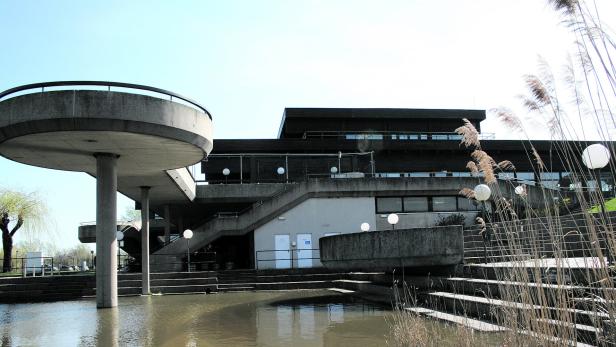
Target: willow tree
pixel 18 210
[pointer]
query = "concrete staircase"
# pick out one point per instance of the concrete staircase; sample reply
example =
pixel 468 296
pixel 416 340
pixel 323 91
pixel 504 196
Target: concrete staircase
pixel 293 194
pixel 249 280
pixel 474 300
pixel 169 283
pixel 49 288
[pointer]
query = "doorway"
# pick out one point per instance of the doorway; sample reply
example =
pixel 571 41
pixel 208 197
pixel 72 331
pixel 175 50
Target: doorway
pixel 304 250
pixel 282 251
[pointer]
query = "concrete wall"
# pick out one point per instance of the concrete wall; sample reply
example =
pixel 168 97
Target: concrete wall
pixel 316 216
pixel 384 250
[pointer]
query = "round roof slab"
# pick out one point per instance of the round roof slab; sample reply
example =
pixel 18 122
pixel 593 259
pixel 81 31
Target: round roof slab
pixel 64 129
pixel 74 151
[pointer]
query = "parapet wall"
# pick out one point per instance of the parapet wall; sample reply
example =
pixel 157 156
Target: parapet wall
pixel 387 249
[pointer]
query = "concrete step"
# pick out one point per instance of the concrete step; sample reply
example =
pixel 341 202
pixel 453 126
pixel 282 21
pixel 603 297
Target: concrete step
pixel 294 285
pixel 490 308
pixel 460 320
pixel 184 289
pixel 169 282
pixel 584 333
pixel 239 287
pixel 302 277
pixel 492 288
pixel 497 271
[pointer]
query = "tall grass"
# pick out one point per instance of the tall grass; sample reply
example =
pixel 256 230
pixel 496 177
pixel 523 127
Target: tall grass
pixel 534 232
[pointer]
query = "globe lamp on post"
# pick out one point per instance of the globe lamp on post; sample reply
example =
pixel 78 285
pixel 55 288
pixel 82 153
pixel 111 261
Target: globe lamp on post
pixel 393 219
pixel 188 234
pixel 280 171
pixel 226 173
pixel 119 237
pixel 596 157
pixel 333 170
pixel 482 194
pixel 365 227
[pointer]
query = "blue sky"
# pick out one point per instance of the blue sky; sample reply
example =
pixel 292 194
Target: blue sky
pixel 247 60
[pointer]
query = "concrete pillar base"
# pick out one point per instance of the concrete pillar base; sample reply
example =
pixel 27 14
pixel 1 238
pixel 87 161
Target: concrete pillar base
pixel 145 240
pixel 106 227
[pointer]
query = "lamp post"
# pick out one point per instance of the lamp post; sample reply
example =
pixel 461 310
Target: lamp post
pixel 596 157
pixel 92 259
pixel 365 227
pixel 188 234
pixel 482 193
pixel 393 219
pixel 333 170
pixel 280 171
pixel 120 237
pixel 226 173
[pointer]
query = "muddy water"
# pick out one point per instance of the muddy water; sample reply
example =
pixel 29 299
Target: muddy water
pixel 295 318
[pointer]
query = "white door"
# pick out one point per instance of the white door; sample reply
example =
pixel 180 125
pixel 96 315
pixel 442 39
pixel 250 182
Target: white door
pixel 283 254
pixel 304 250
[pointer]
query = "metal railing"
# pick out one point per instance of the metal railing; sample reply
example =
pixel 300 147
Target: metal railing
pixel 293 259
pixel 107 84
pixel 295 165
pixel 199 260
pixel 20 266
pixel 565 237
pixel 391 135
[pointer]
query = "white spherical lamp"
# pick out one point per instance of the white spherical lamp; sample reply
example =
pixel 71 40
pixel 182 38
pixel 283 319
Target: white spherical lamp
pixel 482 192
pixel 520 190
pixel 119 235
pixel 596 156
pixel 226 171
pixel 365 227
pixel 393 219
pixel 188 234
pixel 280 170
pixel 333 170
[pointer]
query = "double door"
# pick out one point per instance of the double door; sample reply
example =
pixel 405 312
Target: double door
pixel 287 257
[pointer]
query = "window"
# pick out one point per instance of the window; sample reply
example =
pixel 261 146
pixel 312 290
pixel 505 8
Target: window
pixel 444 203
pixel 386 205
pixel 505 175
pixel 465 204
pixel 416 204
pixel 527 177
pixel 550 179
pixel 419 174
pixel 439 137
pixel 388 174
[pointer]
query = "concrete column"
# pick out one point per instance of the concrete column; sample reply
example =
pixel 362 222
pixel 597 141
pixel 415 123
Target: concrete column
pixel 145 240
pixel 106 228
pixel 167 225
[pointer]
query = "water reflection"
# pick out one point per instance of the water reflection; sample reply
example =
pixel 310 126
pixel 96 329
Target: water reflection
pixel 298 318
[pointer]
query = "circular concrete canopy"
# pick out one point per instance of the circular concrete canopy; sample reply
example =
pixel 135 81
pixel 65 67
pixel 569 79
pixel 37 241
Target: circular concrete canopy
pixel 65 129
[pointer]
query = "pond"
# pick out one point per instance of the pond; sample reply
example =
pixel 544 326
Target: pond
pixel 297 318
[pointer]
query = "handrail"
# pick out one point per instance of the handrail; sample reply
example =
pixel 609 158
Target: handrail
pixel 107 84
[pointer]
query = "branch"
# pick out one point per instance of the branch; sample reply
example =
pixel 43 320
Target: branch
pixel 20 222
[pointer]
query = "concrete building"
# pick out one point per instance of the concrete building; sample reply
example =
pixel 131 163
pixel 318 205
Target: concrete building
pixel 265 203
pixel 260 203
